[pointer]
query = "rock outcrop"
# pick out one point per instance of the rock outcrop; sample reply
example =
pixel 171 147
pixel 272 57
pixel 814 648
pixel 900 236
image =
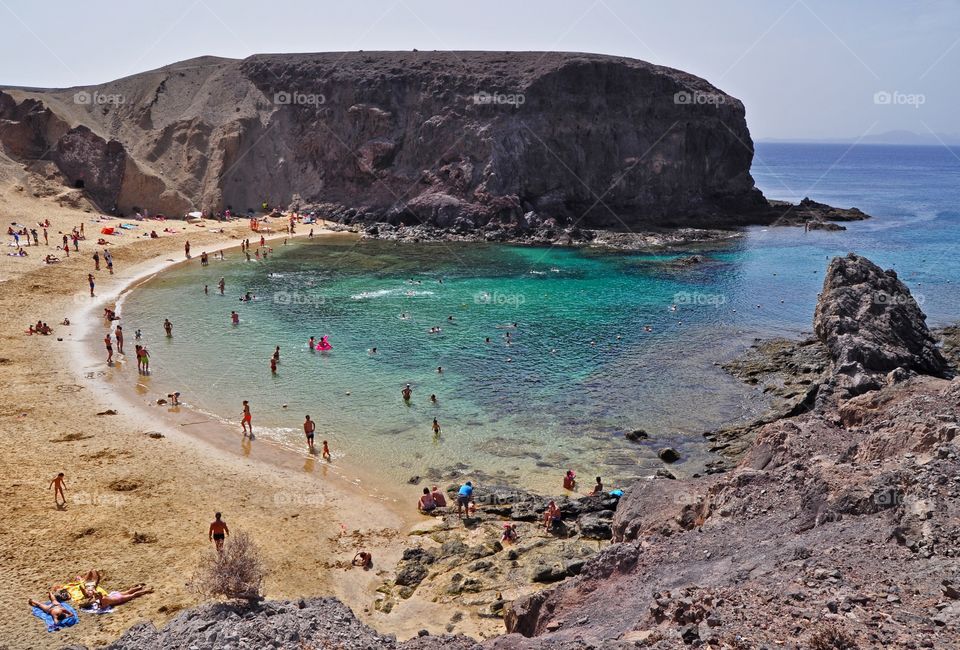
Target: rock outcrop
pixel 793 547
pixel 294 625
pixel 872 326
pixel 456 140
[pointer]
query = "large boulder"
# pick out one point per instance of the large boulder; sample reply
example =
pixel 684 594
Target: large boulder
pixel 872 325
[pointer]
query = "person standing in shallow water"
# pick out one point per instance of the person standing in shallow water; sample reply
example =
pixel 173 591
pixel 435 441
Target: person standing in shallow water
pixel 168 327
pixel 118 332
pixel 309 428
pixel 247 420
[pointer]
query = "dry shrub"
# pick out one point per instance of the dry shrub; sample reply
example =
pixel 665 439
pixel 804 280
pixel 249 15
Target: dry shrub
pixel 831 637
pixel 237 572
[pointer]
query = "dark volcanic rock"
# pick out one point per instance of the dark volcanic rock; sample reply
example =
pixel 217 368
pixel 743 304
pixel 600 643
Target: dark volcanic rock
pixel 288 625
pixel 459 140
pixel 871 325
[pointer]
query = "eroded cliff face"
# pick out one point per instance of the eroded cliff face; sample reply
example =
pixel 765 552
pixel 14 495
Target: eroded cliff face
pixel 431 137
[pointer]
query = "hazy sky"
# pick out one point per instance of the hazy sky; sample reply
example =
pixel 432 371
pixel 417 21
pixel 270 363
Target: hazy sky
pixel 804 68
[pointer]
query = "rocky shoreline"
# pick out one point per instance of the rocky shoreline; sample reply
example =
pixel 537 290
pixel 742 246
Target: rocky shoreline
pixel 532 229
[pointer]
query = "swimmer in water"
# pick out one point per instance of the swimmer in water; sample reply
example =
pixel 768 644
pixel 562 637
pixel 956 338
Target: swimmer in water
pixel 439 369
pixel 311 344
pixel 433 398
pixel 234 318
pixel 406 392
pixel 373 350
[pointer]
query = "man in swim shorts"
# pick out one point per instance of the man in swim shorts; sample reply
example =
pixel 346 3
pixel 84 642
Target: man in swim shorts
pixel 168 327
pixel 464 495
pixel 406 392
pixel 309 427
pixel 109 344
pixel 218 531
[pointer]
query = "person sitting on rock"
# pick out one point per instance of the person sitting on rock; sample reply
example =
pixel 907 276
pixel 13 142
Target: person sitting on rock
pixel 438 497
pixel 551 516
pixel 426 504
pixel 570 480
pixel 509 534
pixel 598 488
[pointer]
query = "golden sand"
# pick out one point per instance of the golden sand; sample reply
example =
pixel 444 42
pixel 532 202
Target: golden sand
pixel 138 505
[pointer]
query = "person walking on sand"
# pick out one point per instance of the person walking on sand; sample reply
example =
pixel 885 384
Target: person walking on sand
pixel 96 261
pixel 218 531
pixel 309 427
pixel 109 345
pixel 118 332
pixel 58 483
pixel 186 249
pixel 247 420
pixel 108 256
pixel 168 327
pixel 90 280
pixel 325 453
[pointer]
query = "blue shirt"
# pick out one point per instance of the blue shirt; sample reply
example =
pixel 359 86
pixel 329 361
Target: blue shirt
pixel 466 490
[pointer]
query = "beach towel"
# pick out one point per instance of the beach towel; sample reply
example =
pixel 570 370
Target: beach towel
pixel 53 626
pixel 106 231
pixel 128 226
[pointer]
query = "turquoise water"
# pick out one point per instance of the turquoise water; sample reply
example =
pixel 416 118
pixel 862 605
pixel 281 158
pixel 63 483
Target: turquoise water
pixel 597 348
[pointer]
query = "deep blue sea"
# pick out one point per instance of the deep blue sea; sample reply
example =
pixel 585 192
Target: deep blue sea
pixel 599 342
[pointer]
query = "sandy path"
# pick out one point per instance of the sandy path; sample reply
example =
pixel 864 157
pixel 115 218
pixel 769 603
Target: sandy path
pixel 122 482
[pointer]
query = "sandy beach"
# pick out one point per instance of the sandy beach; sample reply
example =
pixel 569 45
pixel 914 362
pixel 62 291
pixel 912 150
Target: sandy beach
pixel 142 487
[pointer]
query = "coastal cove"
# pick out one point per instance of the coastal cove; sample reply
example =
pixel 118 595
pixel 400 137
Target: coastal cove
pixel 574 374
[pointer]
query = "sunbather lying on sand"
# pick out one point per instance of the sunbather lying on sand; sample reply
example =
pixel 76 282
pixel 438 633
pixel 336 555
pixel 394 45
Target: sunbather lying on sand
pixel 96 600
pixel 55 610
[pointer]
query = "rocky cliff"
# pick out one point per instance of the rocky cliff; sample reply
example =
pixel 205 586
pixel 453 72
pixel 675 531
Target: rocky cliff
pixel 453 139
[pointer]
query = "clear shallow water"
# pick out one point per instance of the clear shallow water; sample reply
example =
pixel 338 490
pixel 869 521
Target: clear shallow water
pixel 579 369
